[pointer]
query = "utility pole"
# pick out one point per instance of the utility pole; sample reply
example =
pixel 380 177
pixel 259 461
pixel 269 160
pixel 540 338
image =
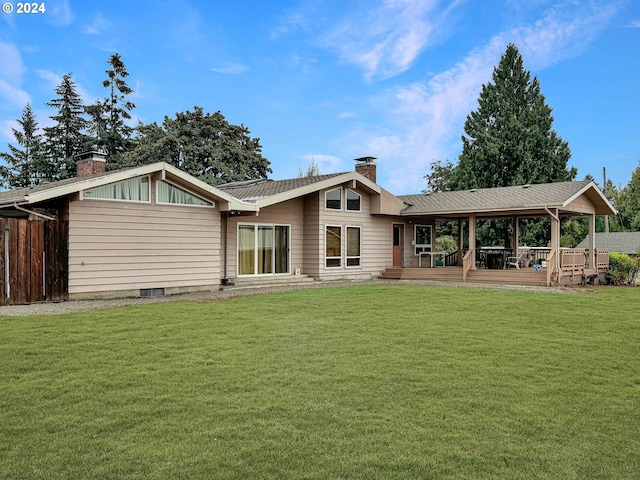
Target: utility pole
pixel 604 188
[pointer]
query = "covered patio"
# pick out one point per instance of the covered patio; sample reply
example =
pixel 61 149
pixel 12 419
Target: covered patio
pixel 512 263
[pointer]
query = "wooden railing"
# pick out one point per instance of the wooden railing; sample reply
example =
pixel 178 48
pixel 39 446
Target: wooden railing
pixel 467 262
pixel 602 259
pixel 551 266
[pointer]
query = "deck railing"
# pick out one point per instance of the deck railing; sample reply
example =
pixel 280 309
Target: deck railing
pixel 551 266
pixel 467 262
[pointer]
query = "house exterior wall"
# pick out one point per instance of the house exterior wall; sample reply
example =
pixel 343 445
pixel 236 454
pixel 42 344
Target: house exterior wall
pixel 117 248
pixel 376 236
pixel 289 213
pixel 582 204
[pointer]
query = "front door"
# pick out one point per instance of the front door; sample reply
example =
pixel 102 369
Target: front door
pixel 398 242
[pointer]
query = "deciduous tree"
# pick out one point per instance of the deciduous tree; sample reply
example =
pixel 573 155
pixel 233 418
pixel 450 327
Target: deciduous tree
pixel 206 146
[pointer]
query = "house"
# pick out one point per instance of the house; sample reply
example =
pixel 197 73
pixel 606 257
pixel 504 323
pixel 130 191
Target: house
pixel 620 242
pixel 153 230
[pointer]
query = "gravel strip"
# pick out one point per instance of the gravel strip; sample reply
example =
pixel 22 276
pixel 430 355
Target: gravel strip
pixel 58 308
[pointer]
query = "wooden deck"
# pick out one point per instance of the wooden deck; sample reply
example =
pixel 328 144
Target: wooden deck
pixel 524 276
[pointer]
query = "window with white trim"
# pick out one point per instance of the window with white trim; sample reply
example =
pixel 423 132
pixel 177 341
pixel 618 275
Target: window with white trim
pixel 353 201
pixel 132 190
pixel 422 239
pixel 169 193
pixel 353 246
pixel 333 199
pixel 263 249
pixel 333 246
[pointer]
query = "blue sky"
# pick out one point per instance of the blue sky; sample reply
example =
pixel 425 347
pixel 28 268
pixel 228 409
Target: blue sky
pixel 336 80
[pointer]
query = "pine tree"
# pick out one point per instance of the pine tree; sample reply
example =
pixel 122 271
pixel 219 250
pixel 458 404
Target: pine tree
pixel 108 117
pixel 66 138
pixel 509 139
pixel 24 165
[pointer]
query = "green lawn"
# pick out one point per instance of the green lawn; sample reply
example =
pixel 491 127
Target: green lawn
pixel 333 383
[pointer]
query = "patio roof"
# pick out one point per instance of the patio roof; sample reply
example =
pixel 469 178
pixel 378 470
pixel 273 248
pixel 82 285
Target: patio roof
pixel 522 199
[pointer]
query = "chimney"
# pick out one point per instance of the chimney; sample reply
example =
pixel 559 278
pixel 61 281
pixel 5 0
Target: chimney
pixel 366 167
pixel 90 163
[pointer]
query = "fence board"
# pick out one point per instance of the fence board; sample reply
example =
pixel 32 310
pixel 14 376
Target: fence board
pixel 37 269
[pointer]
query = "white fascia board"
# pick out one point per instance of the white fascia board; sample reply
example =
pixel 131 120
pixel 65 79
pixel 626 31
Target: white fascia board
pixel 584 189
pixel 93 182
pixel 316 187
pixel 487 211
pixel 234 203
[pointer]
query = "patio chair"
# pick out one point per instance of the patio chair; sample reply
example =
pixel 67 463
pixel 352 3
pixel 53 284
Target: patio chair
pixel 518 260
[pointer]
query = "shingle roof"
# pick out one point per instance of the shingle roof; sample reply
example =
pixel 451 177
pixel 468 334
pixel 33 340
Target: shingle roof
pixel 20 193
pixel 493 199
pixel 621 242
pixel 253 190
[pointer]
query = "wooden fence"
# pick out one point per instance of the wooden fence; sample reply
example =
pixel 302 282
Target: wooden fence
pixel 33 261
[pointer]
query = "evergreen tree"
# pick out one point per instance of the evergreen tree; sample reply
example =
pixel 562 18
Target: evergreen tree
pixel 24 165
pixel 108 117
pixel 509 139
pixel 66 138
pixel 206 146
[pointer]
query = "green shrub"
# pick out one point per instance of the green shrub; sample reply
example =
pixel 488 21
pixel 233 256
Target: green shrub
pixel 623 270
pixel 446 243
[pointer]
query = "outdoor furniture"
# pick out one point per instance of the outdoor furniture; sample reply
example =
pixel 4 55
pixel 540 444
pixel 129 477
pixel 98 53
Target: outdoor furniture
pixel 431 255
pixel 518 260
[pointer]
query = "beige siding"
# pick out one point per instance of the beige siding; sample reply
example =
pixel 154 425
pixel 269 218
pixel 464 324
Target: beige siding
pixel 376 236
pixel 313 247
pixel 118 246
pixel 286 213
pixel 582 204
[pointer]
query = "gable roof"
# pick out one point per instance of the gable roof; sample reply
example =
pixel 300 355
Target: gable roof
pixel 534 197
pixel 48 191
pixel 621 242
pixel 269 192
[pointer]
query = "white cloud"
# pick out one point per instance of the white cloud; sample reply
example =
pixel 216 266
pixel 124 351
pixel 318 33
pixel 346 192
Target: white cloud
pixel 59 12
pixel 428 117
pixel 326 163
pixel 386 40
pixel 11 71
pixel 231 69
pixel 98 26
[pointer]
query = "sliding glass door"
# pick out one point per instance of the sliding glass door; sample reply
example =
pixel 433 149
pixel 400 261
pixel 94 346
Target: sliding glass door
pixel 263 249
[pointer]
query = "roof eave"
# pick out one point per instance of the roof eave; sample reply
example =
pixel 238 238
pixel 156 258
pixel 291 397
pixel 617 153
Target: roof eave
pixel 317 186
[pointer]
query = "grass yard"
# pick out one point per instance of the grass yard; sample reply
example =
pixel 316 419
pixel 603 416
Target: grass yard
pixel 363 382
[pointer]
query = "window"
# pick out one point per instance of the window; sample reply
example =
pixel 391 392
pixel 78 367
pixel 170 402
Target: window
pixel 333 199
pixel 133 190
pixel 333 246
pixel 263 249
pixel 423 238
pixel 168 193
pixel 353 201
pixel 353 246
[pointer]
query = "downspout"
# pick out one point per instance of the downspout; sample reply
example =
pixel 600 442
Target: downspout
pixel 46 217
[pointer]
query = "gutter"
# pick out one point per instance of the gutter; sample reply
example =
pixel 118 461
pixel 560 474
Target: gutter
pixel 18 207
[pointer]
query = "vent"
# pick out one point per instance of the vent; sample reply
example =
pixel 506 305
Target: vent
pixel 151 292
pixel 526 186
pixel 473 190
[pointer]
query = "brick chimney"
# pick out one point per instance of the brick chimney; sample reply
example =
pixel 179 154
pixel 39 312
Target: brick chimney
pixel 366 167
pixel 90 163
